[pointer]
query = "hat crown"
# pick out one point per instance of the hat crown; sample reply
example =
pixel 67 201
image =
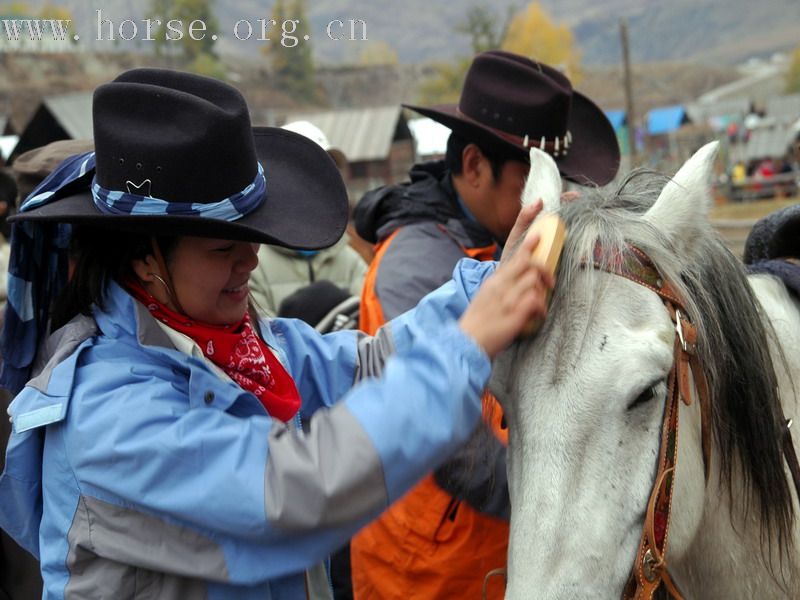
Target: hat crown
pixel 516 95
pixel 175 136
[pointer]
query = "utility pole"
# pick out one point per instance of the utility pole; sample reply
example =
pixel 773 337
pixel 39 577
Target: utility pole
pixel 630 115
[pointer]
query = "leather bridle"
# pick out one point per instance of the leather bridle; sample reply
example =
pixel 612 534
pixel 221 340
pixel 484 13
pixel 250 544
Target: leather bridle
pixel 650 572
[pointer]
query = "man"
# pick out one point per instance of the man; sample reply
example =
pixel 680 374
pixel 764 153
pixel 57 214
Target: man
pixel 442 538
pixel 282 271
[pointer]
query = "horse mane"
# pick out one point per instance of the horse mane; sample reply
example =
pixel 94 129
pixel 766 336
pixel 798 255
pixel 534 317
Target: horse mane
pixel 733 336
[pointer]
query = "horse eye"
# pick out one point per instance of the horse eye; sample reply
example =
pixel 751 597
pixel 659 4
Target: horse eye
pixel 647 394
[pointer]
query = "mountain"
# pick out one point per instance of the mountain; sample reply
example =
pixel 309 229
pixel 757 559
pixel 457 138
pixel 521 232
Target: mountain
pixel 704 31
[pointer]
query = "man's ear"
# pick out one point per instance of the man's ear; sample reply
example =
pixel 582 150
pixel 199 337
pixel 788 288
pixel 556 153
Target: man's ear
pixel 146 268
pixel 473 165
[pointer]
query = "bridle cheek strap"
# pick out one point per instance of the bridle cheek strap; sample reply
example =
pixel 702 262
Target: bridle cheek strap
pixel 689 370
pixel 650 571
pixel 650 568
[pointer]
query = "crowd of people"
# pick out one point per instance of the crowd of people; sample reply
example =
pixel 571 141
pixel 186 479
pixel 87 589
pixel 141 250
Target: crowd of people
pixel 180 429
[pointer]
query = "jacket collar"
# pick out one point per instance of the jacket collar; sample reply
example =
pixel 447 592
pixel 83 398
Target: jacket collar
pixel 429 196
pixel 124 317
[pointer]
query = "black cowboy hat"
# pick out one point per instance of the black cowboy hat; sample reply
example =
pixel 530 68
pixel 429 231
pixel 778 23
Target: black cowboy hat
pixel 182 138
pixel 511 102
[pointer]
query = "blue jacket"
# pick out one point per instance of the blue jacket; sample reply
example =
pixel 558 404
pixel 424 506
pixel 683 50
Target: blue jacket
pixel 137 470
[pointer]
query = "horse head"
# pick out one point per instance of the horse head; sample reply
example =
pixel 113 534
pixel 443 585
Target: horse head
pixel 585 401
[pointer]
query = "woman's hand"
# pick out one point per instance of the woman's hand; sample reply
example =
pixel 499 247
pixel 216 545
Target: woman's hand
pixel 524 220
pixel 526 216
pixel 514 295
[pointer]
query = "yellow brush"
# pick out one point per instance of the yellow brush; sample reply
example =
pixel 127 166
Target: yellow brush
pixel 553 232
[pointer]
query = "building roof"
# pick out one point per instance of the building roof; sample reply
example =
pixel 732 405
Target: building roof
pixel 66 116
pixel 769 142
pixel 784 109
pixel 73 112
pixel 761 83
pixel 719 111
pixel 7 145
pixel 430 136
pixel 363 134
pixel 666 119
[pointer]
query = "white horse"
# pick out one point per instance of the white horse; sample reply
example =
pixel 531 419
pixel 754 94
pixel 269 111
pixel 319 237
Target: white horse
pixel 585 400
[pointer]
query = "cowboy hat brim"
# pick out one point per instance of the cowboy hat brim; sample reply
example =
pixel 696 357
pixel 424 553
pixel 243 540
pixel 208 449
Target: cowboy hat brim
pixel 306 205
pixel 593 156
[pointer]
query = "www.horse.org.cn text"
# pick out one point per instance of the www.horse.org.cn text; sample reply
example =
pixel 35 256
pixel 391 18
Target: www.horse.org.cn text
pixel 284 32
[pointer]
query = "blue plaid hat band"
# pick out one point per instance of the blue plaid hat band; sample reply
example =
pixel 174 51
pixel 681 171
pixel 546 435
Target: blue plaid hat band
pixel 232 208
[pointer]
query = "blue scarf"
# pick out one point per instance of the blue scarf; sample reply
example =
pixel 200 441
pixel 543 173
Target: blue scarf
pixel 38 262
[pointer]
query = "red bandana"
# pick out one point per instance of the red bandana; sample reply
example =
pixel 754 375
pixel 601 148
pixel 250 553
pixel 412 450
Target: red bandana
pixel 237 350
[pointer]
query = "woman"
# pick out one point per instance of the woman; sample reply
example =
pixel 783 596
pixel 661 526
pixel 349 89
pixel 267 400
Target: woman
pixel 169 445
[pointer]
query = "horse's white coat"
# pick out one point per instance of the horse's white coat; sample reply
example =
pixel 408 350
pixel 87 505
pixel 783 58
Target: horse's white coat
pixel 581 462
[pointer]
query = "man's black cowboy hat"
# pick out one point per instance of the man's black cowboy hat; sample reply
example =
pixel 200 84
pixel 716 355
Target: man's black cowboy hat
pixel 182 138
pixel 511 102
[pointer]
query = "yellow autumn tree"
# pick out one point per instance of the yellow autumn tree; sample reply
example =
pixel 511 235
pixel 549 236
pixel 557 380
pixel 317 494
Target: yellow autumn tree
pixel 377 53
pixel 793 75
pixel 16 9
pixel 53 11
pixel 58 13
pixel 485 30
pixel 445 86
pixel 533 33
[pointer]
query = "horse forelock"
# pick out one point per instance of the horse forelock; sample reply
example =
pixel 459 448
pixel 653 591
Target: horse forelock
pixel 732 336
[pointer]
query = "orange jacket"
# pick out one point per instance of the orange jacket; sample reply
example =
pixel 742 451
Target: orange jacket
pixel 428 544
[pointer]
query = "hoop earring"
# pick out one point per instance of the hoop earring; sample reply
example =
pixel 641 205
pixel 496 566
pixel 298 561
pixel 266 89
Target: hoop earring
pixel 162 265
pixel 164 283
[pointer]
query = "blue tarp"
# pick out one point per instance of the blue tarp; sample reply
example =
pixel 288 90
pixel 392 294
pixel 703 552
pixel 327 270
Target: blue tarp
pixel 666 119
pixel 617 118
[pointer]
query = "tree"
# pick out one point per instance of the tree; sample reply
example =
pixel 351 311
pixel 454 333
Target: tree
pixel 377 53
pixel 16 9
pixel 185 11
pixel 51 11
pixel 207 65
pixel 290 53
pixel 486 32
pixel 57 13
pixel 273 49
pixel 533 33
pixel 793 75
pixel 445 85
pixel 484 29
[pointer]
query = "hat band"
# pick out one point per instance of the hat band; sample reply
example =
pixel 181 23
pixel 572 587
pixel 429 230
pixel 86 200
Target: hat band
pixel 558 146
pixel 71 169
pixel 232 208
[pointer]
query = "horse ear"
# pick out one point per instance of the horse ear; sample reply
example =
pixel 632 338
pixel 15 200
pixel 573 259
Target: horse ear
pixel 685 201
pixel 544 181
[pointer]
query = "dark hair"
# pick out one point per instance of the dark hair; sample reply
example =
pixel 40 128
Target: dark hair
pixel 497 157
pixel 8 194
pixel 100 255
